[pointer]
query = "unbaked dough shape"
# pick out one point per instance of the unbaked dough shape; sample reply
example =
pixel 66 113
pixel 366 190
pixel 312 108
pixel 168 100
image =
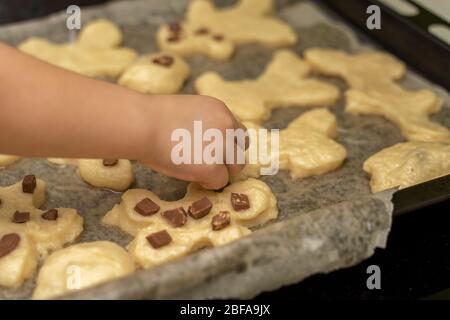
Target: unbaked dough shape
pixel 96 53
pixel 146 76
pixel 249 21
pixel 20 264
pixel 118 177
pixel 306 147
pixel 196 233
pixel 284 83
pixel 38 236
pixel 406 164
pixel 47 235
pixel 81 266
pixel 371 77
pixel 6 160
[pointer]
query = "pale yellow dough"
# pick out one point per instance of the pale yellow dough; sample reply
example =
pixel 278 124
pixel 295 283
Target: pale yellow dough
pixel 20 264
pixel 146 76
pixel 306 147
pixel 6 160
pixel 96 53
pixel 46 235
pixel 38 236
pixel 118 177
pixel 284 83
pixel 249 21
pixel 195 234
pixel 407 164
pixel 371 77
pixel 81 266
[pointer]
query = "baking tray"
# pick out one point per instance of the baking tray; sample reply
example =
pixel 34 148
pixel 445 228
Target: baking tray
pixel 325 223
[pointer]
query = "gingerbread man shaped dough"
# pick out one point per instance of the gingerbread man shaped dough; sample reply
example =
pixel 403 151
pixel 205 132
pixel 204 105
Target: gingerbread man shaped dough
pixel 96 53
pixel 111 174
pixel 306 147
pixel 284 83
pixel 168 230
pixel 215 32
pixel 371 77
pixel 27 232
pixel 406 164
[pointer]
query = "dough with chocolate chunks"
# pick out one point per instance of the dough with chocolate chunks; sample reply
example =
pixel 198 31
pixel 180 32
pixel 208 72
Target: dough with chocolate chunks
pixel 215 32
pixel 18 257
pixel 194 233
pixel 159 73
pixel 47 235
pixel 116 177
pixel 81 266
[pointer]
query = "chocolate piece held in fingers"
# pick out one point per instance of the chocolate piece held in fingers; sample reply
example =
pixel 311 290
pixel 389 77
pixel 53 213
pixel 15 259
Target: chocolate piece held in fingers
pixel 200 208
pixel 176 217
pixel 21 217
pixel 221 220
pixel 50 215
pixel 240 201
pixel 159 239
pixel 110 162
pixel 146 207
pixel 29 183
pixel 8 243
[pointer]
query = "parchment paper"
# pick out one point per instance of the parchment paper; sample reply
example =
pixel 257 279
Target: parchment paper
pixel 325 223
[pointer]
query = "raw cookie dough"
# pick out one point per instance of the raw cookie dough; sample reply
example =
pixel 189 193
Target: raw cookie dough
pixel 230 213
pixel 18 257
pixel 306 147
pixel 406 164
pixel 159 73
pixel 284 83
pixel 371 77
pixel 19 213
pixel 96 53
pixel 118 176
pixel 6 160
pixel 215 32
pixel 81 266
pixel 262 207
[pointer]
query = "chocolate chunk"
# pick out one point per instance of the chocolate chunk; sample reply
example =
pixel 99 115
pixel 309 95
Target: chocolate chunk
pixel 175 27
pixel 173 38
pixel 176 217
pixel 29 183
pixel 200 208
pixel 110 162
pixel 221 220
pixel 240 201
pixel 201 31
pixel 50 215
pixel 21 217
pixel 8 243
pixel 165 61
pixel 159 239
pixel 146 207
pixel 218 37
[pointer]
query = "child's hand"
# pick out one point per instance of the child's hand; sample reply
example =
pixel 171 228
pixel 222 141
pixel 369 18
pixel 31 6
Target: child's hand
pixel 165 114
